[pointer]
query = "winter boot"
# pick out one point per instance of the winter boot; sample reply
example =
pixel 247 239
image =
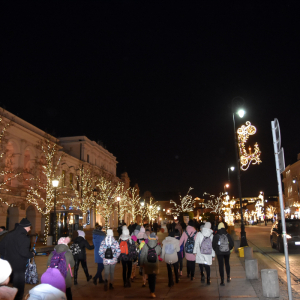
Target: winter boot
pixel 105 285
pixel 95 281
pixel 222 281
pixel 111 286
pixel 128 283
pixel 202 277
pixel 208 280
pixel 228 279
pixel 88 277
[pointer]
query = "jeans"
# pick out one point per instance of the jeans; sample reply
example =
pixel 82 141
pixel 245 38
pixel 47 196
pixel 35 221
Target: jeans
pixel 127 265
pixel 170 275
pixel 99 271
pixel 152 281
pixel 206 267
pixel 221 259
pixel 190 267
pixel 109 270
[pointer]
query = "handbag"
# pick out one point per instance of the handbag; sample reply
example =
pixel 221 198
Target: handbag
pixel 31 275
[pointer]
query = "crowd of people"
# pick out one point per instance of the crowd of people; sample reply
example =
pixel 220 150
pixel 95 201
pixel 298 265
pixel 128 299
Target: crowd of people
pixel 137 248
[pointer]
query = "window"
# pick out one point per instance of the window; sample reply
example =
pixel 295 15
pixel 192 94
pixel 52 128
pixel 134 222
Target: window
pixel 71 179
pixel 88 158
pixel 63 181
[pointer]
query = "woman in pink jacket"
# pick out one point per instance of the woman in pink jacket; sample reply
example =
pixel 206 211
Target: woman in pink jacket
pixel 189 248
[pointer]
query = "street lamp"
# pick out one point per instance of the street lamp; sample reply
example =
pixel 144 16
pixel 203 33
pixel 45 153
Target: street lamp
pixel 55 185
pixel 238 101
pixel 226 186
pixel 95 193
pixel 158 209
pixel 118 199
pixel 232 169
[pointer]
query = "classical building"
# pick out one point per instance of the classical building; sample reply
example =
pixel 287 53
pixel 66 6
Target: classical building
pixel 22 154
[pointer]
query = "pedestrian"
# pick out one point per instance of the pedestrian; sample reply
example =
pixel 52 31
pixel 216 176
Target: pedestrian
pixel 155 227
pixel 149 259
pixel 188 239
pixel 15 248
pixel 109 251
pixel 135 262
pixel 98 237
pixel 180 253
pixel 178 227
pixel 222 244
pixel 80 257
pixel 204 251
pixel 128 254
pixel 63 248
pixel 169 255
pixel 53 286
pixel 5 291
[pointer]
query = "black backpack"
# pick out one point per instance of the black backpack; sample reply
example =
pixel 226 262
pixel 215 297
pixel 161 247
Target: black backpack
pixel 190 242
pixel 152 256
pixel 108 253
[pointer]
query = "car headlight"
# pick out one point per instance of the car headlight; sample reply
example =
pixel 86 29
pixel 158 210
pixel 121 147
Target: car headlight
pixel 288 236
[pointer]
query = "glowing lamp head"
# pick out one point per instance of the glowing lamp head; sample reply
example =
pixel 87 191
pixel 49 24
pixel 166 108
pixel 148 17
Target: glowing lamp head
pixel 241 113
pixel 55 183
pixel 227 185
pixel 158 208
pixel 232 168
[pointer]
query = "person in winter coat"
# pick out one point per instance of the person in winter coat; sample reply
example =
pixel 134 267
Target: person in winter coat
pixel 135 262
pixel 109 263
pixel 81 256
pixel 126 259
pixel 169 255
pixel 204 259
pixel 5 291
pixel 151 268
pixel 98 237
pixel 62 246
pixel 223 254
pixel 142 236
pixel 180 253
pixel 15 249
pixel 189 255
pixel 179 228
pixel 3 232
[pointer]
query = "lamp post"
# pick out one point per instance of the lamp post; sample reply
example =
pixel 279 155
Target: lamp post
pixel 118 199
pixel 158 209
pixel 241 113
pixel 95 193
pixel 55 185
pixel 232 169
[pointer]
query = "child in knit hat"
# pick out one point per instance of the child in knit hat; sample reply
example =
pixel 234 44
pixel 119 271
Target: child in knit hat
pixel 5 291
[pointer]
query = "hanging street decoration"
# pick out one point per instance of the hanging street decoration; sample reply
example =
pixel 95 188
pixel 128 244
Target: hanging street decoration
pixel 186 204
pixel 247 158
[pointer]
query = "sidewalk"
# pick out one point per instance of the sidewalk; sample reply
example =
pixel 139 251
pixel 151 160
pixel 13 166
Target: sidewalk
pixel 239 287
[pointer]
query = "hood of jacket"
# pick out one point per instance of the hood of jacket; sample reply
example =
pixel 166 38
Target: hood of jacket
pixel 79 239
pixel 222 231
pixel 206 232
pixel 169 239
pixel 46 292
pixel 152 243
pixel 61 248
pixel 99 232
pixel 190 230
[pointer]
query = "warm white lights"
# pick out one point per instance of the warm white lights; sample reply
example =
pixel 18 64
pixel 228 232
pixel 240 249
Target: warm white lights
pixel 241 113
pixel 55 183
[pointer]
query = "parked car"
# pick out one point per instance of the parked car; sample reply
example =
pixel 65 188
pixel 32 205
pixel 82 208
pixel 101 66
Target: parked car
pixel 292 234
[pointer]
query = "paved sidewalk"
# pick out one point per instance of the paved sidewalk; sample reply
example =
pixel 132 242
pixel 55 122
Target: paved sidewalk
pixel 239 287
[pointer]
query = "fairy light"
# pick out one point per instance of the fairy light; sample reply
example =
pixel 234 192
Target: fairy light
pixel 246 159
pixel 215 203
pixel 41 192
pixel 186 204
pixel 152 209
pixel 271 210
pixel 133 202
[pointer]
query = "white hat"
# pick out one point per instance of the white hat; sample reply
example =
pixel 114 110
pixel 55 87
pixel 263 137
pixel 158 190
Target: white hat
pixel 5 270
pixel 125 234
pixel 109 232
pixel 81 233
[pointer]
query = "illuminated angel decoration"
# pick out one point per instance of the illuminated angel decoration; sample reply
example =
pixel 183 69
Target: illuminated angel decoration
pixel 186 205
pixel 246 159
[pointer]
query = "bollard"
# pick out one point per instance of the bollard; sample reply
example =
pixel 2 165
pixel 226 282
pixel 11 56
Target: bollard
pixel 270 283
pixel 248 253
pixel 251 267
pixel 236 245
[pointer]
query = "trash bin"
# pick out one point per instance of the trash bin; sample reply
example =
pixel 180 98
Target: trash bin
pixel 49 240
pixel 241 252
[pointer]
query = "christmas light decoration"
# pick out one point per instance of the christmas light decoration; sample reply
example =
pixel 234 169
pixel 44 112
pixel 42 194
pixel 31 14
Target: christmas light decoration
pixel 215 203
pixel 152 210
pixel 143 211
pixel 271 210
pixel 41 191
pixel 133 202
pixel 186 204
pixel 247 158
pixel 227 208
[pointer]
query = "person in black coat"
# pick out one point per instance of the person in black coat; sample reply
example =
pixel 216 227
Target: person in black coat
pixel 81 257
pixel 15 248
pixel 221 255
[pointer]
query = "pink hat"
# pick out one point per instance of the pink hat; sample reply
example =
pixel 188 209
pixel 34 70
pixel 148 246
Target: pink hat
pixel 53 277
pixel 64 240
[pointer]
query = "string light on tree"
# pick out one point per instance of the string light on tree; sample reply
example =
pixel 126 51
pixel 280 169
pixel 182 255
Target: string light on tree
pixel 186 204
pixel 215 203
pixel 133 202
pixel 246 159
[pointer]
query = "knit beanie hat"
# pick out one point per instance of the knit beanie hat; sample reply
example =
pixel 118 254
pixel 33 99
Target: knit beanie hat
pixel 191 223
pixel 125 234
pixel 5 270
pixel 53 277
pixel 109 232
pixel 81 233
pixel 221 225
pixel 142 230
pixel 207 225
pixel 152 236
pixel 64 240
pixel 138 227
pixel 136 232
pixel 25 223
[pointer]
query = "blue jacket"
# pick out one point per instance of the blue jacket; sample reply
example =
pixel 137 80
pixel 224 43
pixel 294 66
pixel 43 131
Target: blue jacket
pixel 98 237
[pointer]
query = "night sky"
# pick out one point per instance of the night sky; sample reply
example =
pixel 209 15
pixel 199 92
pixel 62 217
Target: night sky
pixel 154 82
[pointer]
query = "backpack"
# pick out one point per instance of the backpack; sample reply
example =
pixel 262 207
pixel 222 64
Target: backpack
pixel 206 246
pixel 223 243
pixel 169 249
pixel 124 247
pixel 190 242
pixel 58 260
pixel 151 256
pixel 132 253
pixel 75 249
pixel 108 252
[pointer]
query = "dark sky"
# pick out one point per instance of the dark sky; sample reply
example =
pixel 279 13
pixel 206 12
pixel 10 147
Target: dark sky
pixel 154 82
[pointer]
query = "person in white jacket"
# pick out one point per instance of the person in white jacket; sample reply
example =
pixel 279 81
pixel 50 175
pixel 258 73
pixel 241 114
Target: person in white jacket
pixel 205 254
pixel 169 255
